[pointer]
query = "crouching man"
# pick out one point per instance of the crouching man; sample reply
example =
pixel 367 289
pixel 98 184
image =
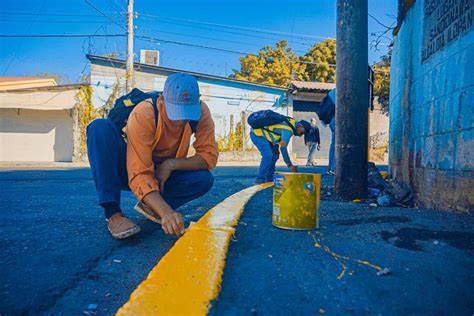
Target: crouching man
pixel 152 159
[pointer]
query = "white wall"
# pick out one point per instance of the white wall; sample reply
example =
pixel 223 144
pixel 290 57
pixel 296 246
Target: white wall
pixel 36 135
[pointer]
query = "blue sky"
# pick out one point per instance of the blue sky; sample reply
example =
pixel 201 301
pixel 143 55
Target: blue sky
pixel 217 24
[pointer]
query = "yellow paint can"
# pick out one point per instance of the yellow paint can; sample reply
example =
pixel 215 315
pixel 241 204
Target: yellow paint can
pixel 296 200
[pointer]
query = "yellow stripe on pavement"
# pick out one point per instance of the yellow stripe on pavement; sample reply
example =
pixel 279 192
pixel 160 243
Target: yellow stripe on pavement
pixel 188 277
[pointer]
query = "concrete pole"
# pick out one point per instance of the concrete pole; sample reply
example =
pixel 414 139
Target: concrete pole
pixel 352 99
pixel 129 64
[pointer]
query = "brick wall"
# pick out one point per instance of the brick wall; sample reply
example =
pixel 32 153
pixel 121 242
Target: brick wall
pixel 431 141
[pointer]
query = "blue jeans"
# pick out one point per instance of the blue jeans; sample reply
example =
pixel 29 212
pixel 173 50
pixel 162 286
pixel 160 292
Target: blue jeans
pixel 312 147
pixel 332 159
pixel 270 155
pixel 107 157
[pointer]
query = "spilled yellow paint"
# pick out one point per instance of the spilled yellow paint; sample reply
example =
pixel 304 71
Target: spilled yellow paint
pixel 316 242
pixel 339 259
pixel 188 277
pixel 336 257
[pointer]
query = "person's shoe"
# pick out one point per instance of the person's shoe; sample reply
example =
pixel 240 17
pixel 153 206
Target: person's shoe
pixel 330 172
pixel 147 212
pixel 121 227
pixel 309 164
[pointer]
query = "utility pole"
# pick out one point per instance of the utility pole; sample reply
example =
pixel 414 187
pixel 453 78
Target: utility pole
pixel 129 64
pixel 352 99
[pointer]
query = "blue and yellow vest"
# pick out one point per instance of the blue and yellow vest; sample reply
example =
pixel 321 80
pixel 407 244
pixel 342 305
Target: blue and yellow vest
pixel 270 134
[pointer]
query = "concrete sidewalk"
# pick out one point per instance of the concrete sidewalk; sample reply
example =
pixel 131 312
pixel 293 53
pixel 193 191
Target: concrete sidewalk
pixel 57 255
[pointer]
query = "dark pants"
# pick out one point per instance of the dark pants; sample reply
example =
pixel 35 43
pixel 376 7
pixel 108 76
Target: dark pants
pixel 270 154
pixel 107 156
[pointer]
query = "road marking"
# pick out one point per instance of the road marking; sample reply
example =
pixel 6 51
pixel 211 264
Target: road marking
pixel 188 277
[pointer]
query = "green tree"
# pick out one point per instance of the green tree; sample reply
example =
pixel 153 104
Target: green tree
pixel 323 54
pixel 275 66
pixel 382 81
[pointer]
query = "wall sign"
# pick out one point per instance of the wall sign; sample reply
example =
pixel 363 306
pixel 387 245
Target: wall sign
pixel 444 22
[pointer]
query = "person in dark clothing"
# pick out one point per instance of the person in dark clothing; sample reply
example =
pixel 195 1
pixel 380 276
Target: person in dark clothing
pixel 326 112
pixel 312 141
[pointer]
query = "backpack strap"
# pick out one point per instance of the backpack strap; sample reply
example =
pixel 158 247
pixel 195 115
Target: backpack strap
pixel 193 125
pixel 154 100
pixel 292 123
pixel 155 107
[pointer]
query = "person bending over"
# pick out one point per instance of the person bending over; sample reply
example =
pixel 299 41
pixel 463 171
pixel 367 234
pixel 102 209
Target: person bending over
pixel 268 140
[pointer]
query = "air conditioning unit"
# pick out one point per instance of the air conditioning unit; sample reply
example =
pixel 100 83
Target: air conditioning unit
pixel 150 57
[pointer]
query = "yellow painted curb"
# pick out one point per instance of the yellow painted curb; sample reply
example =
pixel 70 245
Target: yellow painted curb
pixel 188 277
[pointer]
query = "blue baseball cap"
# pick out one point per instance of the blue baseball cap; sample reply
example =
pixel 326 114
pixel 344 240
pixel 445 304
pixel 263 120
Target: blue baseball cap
pixel 181 95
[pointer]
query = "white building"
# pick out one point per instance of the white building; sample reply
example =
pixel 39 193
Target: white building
pixel 38 124
pixel 226 97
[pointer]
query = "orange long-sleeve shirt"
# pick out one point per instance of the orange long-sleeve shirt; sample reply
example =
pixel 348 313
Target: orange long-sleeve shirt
pixel 149 144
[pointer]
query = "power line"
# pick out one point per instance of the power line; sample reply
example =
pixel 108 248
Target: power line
pixel 53 21
pixel 144 17
pixel 248 29
pixel 20 45
pixel 378 21
pixel 152 19
pixel 102 13
pixel 162 20
pixel 59 35
pixel 51 14
pixel 157 40
pixel 114 5
pixel 253 35
pixel 211 38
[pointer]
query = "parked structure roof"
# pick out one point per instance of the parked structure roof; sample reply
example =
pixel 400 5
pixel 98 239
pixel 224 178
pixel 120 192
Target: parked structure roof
pixel 12 83
pixel 42 98
pixel 307 86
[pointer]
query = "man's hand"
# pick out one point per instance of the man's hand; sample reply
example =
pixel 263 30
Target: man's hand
pixel 164 171
pixel 294 168
pixel 172 223
pixel 319 147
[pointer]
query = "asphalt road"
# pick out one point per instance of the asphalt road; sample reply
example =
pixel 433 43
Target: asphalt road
pixel 58 257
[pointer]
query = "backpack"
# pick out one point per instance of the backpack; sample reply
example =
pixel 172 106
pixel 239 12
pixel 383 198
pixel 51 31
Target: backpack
pixel 124 105
pixel 263 119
